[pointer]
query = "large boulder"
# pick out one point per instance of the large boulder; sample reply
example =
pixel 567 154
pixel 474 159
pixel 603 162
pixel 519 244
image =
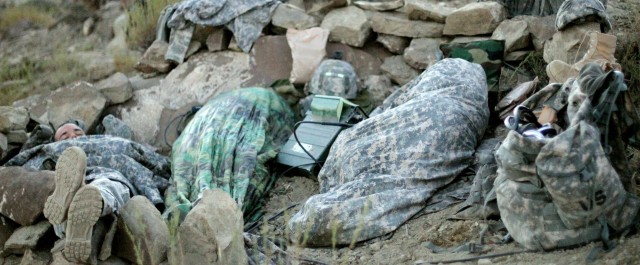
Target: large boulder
pixel 36 105
pixel 26 237
pixel 142 236
pixel 571 44
pixel 475 19
pixel 153 61
pixel 218 39
pixel 13 118
pixel 514 33
pixel 292 17
pixel 394 44
pixel 398 70
pixel 200 78
pixel 211 233
pixel 80 100
pixel 423 52
pixel 424 10
pixel 398 24
pixel 379 5
pixel 541 29
pixel 116 88
pixel 348 25
pixel 24 193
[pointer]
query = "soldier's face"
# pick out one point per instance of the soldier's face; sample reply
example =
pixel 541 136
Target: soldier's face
pixel 68 131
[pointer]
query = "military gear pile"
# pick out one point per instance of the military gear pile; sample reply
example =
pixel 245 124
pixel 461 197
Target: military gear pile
pixel 564 191
pixel 383 170
pixel 573 12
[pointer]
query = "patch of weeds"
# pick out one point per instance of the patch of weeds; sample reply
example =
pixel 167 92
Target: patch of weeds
pixel 124 62
pixel 628 55
pixel 61 70
pixel 39 16
pixel 534 63
pixel 143 17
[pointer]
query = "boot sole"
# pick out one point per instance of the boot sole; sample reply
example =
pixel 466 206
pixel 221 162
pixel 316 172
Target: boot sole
pixel 69 176
pixel 84 212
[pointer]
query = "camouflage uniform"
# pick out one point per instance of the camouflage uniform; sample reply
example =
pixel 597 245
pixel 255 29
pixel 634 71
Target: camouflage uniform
pixel 227 145
pixel 245 18
pixel 382 171
pixel 136 166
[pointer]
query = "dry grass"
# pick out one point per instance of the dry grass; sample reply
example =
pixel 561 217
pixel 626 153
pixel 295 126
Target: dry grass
pixel 19 80
pixel 124 62
pixel 143 17
pixel 32 13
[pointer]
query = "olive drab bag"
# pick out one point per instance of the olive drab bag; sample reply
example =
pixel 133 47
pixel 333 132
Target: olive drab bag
pixel 563 191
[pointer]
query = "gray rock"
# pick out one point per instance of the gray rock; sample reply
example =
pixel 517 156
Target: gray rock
pixel 12 260
pixel 32 257
pixel 152 60
pixel 218 39
pixel 194 46
pixel 142 236
pixel 541 29
pixel 88 26
pixel 26 237
pixel 211 233
pixel 514 33
pixel 6 229
pixel 17 136
pixel 571 44
pixel 4 145
pixel 378 5
pixel 423 10
pixel 116 88
pixel 394 44
pixel 63 104
pixel 516 56
pixel 23 193
pixel 347 25
pixel 289 16
pixel 365 63
pixel 99 64
pixel 398 70
pixel 423 52
pixel 475 19
pixel 138 82
pixel 271 60
pixel 13 118
pixel 379 88
pixel 320 7
pixel 143 116
pixel 467 39
pixel 398 24
pixel 36 105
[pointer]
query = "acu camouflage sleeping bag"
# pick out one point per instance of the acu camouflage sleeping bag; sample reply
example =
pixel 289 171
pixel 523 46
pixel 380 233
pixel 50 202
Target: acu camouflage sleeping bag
pixel 381 172
pixel 562 191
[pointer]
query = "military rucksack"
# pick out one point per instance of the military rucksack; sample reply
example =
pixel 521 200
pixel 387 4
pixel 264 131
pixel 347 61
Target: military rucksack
pixel 563 191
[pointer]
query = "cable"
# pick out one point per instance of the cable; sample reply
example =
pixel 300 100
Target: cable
pixel 315 122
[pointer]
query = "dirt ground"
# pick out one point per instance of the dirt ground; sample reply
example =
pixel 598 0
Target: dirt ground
pixel 408 244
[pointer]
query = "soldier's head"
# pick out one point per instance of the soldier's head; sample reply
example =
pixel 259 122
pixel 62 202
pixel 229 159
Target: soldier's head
pixel 68 131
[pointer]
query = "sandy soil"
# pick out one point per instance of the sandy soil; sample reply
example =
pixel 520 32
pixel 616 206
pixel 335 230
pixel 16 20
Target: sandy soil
pixel 407 244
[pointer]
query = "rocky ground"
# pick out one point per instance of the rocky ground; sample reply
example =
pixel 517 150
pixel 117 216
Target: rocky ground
pixel 39 51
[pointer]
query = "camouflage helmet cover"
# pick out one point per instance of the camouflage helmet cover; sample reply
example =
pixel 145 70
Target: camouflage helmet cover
pixel 577 11
pixel 334 78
